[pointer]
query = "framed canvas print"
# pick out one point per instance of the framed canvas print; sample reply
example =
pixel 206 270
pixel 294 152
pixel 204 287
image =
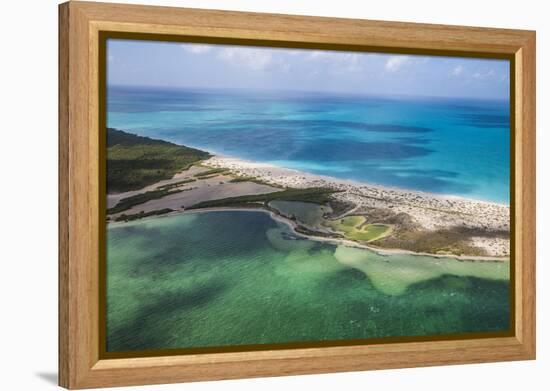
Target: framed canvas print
pixel 249 195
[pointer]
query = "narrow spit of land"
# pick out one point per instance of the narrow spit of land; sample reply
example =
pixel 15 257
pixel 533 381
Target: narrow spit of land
pixel 149 177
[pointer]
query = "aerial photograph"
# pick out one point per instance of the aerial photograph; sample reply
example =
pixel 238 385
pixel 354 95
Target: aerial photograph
pixel 277 196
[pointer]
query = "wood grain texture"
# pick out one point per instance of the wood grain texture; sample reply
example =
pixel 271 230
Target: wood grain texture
pixel 63 178
pixel 79 198
pixel 290 28
pixel 526 212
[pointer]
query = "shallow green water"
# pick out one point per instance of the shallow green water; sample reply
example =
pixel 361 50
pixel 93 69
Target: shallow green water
pixel 235 277
pixel 306 212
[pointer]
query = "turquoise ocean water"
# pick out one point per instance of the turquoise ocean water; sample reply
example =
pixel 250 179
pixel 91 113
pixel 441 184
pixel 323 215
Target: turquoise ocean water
pixel 240 278
pixel 448 146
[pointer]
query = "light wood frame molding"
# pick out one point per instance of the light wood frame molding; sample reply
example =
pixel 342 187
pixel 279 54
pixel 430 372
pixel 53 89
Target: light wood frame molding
pixel 80 24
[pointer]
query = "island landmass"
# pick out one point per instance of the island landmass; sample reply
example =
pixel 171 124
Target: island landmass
pixel 148 177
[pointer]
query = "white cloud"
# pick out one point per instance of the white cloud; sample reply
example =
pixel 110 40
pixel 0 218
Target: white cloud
pixel 285 67
pixel 251 58
pixel 394 63
pixel 196 48
pixel 339 61
pixel 458 70
pixel 294 52
pixel 324 55
pixel 484 75
pixel 353 63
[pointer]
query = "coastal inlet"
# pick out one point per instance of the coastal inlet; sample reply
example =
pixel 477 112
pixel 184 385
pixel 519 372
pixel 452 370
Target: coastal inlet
pixel 145 178
pixel 206 250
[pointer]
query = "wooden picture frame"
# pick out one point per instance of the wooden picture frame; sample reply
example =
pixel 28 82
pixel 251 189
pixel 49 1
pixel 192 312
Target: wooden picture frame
pixel 80 166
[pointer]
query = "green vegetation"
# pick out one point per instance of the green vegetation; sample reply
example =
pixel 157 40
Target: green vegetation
pixel 317 195
pixel 339 207
pixel 207 176
pixel 134 162
pixel 251 179
pixel 303 212
pixel 210 173
pixel 241 179
pixel 129 202
pixel 175 184
pixel 451 241
pixel 142 214
pixel 355 228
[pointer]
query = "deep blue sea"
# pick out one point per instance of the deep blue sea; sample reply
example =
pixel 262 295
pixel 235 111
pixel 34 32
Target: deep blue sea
pixel 439 145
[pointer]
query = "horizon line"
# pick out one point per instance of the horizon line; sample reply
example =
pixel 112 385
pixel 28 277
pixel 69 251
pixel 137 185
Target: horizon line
pixel 373 94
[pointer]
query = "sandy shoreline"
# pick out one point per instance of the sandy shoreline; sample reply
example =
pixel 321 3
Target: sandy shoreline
pixel 348 243
pixel 489 223
pixel 277 173
pixel 335 241
pixel 431 211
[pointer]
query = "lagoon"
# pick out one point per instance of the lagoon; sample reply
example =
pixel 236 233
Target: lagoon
pixel 171 285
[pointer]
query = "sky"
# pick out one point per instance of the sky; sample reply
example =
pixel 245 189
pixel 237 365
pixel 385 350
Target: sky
pixel 172 64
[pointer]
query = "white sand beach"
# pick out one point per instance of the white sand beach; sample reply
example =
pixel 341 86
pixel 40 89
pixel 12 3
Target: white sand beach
pixel 431 211
pixel 480 225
